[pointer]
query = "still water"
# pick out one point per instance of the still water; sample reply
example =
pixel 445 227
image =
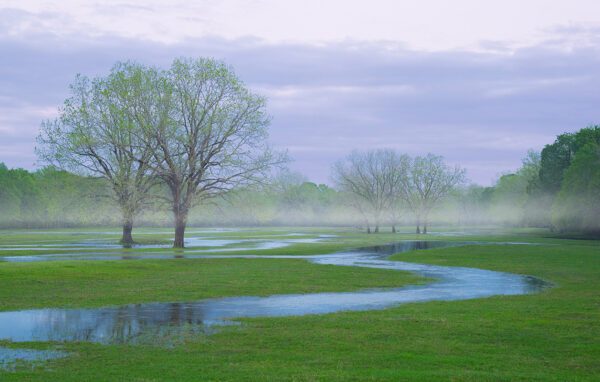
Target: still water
pixel 131 322
pixel 192 246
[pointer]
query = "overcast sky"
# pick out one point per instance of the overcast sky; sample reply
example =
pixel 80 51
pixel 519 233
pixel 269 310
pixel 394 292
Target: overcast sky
pixel 479 82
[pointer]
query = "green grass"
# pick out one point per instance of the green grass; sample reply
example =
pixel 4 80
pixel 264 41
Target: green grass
pixel 552 335
pixel 65 284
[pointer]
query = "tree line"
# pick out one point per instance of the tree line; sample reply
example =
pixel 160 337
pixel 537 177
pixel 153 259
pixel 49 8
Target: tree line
pixel 191 141
pixel 51 197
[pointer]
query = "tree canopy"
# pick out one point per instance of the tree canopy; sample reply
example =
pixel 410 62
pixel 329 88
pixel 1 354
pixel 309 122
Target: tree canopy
pixel 195 131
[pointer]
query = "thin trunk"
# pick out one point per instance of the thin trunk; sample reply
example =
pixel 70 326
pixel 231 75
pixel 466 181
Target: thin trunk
pixel 418 224
pixel 425 228
pixel 127 239
pixel 368 229
pixel 393 228
pixel 376 227
pixel 180 222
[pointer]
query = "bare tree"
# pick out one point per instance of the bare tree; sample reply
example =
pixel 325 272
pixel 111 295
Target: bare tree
pixel 371 180
pixel 96 134
pixel 216 141
pixel 429 181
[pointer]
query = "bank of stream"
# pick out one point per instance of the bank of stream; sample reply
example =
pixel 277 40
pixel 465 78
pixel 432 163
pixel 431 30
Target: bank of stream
pixel 135 322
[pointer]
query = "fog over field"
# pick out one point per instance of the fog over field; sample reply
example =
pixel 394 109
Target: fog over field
pixel 506 105
pixel 267 190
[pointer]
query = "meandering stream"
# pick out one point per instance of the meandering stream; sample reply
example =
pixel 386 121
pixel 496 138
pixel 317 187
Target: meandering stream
pixel 132 322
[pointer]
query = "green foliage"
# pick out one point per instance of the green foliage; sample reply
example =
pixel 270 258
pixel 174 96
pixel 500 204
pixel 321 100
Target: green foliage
pixel 556 158
pixel 10 199
pixel 565 193
pixel 577 205
pixel 52 198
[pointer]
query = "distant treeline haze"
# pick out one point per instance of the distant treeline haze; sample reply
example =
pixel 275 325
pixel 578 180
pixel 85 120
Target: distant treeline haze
pixel 558 188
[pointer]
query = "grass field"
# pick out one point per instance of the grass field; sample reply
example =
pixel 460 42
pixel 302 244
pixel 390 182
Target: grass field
pixel 552 335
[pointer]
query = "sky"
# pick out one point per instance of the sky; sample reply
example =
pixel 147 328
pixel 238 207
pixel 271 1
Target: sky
pixel 477 81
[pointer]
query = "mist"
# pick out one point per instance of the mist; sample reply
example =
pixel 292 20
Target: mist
pixel 54 198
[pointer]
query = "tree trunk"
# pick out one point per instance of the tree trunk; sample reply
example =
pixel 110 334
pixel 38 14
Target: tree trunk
pixel 376 227
pixel 180 221
pixel 127 239
pixel 368 229
pixel 418 230
pixel 425 228
pixel 393 228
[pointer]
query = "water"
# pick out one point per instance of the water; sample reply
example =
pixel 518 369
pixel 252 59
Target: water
pixel 132 322
pixel 218 245
pixel 9 358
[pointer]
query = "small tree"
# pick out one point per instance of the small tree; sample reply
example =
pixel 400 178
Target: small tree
pixel 429 181
pixel 371 181
pixel 96 134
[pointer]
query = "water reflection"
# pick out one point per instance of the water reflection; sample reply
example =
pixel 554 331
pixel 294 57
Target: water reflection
pixel 105 325
pixel 133 322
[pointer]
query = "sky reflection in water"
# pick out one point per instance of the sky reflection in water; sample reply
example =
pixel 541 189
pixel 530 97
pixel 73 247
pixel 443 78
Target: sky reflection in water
pixel 131 322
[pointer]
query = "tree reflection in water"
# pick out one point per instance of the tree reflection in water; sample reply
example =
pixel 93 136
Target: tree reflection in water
pixel 165 323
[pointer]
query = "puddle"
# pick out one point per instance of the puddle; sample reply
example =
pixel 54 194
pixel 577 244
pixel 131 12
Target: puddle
pixel 131 322
pixel 99 243
pixel 251 244
pixel 11 358
pixel 191 242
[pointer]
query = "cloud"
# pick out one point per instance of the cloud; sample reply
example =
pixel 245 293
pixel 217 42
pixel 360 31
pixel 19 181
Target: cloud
pixel 424 25
pixel 482 110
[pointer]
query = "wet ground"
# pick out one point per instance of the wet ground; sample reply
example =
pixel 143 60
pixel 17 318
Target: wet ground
pixel 11 358
pixel 133 322
pixel 192 244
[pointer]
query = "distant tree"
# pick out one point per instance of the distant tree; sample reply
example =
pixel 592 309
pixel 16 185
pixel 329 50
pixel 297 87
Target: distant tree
pixel 97 134
pixel 21 197
pixel 555 160
pixel 429 180
pixel 531 165
pixel 586 136
pixel 72 199
pixel 288 186
pixel 216 140
pixel 10 197
pixel 556 157
pixel 473 204
pixel 371 181
pixel 577 206
pixel 508 199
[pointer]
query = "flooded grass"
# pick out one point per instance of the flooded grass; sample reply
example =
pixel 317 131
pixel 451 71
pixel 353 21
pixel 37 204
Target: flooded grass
pixel 127 323
pixel 13 360
pixel 546 336
pixel 93 284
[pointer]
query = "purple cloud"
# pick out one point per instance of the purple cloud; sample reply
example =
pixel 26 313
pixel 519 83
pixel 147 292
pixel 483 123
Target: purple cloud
pixel 480 110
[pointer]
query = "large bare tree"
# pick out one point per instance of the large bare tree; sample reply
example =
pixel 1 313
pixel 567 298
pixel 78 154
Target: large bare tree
pixel 96 134
pixel 216 139
pixel 371 181
pixel 429 181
